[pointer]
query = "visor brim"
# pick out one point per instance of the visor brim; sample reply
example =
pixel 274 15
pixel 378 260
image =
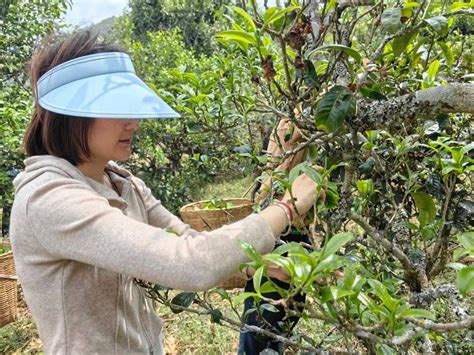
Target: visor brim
pixel 114 95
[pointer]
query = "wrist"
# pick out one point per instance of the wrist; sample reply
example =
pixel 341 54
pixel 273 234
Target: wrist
pixel 290 211
pixel 297 206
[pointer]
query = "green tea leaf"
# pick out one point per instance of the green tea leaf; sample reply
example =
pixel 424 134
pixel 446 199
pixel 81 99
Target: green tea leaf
pixel 242 297
pixel 268 307
pixel 365 187
pixel 310 76
pixel 267 287
pixel 183 299
pixel 467 240
pixel 465 280
pixel 458 5
pixel 334 107
pixel 448 53
pixel 391 20
pixel 417 313
pixel 426 207
pixel 339 47
pixel 456 266
pixel 433 70
pixel 276 15
pixel 438 23
pixel 245 16
pixel 372 92
pixel 336 243
pixel 221 292
pixel 400 43
pixel 312 173
pixel 251 252
pixel 240 36
pixel 216 316
pixel 257 278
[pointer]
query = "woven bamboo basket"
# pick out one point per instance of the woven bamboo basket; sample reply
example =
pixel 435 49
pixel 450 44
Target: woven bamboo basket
pixel 202 219
pixel 8 287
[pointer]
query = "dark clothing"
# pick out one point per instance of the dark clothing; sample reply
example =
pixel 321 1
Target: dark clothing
pixel 251 343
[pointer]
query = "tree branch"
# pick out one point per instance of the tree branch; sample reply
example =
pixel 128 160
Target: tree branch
pixel 344 4
pixel 450 98
pixel 411 270
pixel 467 323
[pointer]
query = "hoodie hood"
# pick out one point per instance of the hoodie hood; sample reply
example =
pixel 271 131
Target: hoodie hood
pixel 37 165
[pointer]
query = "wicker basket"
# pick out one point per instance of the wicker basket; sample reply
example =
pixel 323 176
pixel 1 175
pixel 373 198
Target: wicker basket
pixel 202 219
pixel 8 287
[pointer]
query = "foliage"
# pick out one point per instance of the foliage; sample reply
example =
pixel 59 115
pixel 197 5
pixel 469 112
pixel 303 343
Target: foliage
pixel 212 95
pixel 465 273
pixel 197 20
pixel 396 171
pixel 403 177
pixel 21 335
pixel 23 24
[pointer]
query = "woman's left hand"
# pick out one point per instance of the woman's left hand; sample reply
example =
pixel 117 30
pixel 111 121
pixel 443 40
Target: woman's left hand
pixel 274 271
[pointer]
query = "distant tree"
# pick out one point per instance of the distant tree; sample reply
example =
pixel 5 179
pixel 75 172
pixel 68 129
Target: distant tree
pixel 22 24
pixel 197 19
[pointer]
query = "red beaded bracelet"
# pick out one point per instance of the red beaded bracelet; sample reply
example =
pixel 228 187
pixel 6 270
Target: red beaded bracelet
pixel 288 208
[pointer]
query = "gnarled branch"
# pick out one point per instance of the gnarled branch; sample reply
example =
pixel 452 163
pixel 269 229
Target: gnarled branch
pixel 450 98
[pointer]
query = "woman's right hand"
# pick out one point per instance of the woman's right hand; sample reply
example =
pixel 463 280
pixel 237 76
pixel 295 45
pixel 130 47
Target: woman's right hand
pixel 303 191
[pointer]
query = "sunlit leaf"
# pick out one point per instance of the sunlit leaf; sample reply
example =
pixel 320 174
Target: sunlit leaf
pixel 467 240
pixel 426 207
pixel 240 36
pixel 245 16
pixel 417 313
pixel 257 278
pixel 336 242
pixel 465 280
pixel 400 43
pixel 276 15
pixel 339 47
pixel 433 70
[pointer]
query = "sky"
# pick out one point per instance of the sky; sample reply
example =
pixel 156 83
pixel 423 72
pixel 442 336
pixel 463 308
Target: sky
pixel 85 12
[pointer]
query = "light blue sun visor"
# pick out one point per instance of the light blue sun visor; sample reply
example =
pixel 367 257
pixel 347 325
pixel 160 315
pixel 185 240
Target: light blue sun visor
pixel 102 85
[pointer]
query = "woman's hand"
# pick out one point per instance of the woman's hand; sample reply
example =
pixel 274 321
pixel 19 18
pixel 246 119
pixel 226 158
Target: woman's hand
pixel 304 192
pixel 274 271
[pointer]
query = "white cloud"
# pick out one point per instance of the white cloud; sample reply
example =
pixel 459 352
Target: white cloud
pixel 85 12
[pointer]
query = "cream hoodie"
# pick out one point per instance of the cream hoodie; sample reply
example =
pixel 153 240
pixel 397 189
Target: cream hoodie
pixel 78 245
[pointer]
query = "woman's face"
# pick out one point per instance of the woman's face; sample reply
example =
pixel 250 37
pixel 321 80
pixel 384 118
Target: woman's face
pixel 111 139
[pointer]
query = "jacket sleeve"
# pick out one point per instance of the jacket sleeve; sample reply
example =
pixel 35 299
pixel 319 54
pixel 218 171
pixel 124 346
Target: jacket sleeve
pixel 158 215
pixel 72 222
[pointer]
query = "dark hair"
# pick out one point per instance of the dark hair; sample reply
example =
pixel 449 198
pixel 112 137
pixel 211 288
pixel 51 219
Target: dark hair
pixel 49 132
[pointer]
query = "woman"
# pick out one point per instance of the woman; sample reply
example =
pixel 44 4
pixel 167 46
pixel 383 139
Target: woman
pixel 82 228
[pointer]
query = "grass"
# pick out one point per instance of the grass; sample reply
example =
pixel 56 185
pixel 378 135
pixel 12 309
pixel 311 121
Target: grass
pixel 224 188
pixel 187 333
pixel 20 336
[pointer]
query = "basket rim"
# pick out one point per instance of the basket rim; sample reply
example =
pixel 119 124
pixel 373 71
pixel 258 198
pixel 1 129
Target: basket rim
pixel 249 203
